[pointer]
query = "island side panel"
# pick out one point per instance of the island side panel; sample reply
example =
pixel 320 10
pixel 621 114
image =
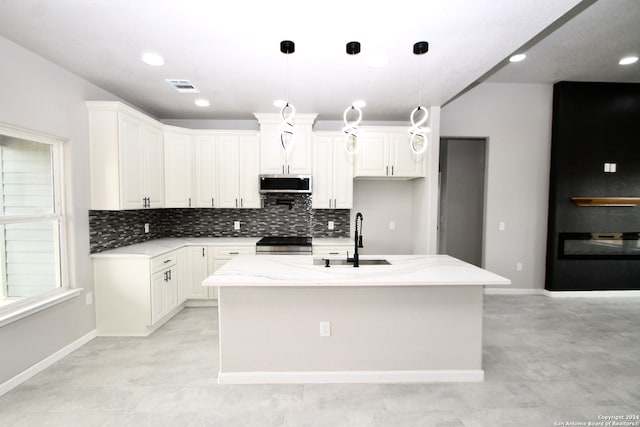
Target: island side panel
pixel 394 328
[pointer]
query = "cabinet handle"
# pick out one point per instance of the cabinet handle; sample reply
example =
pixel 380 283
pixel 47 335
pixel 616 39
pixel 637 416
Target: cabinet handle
pixel 334 253
pixel 288 169
pixel 386 170
pixel 329 203
pixel 189 201
pixel 203 252
pixel 283 169
pixel 391 170
pixel 165 276
pixel 169 274
pixel 335 203
pixel 236 203
pixel 212 204
pixel 241 204
pixel 234 253
pixel 166 261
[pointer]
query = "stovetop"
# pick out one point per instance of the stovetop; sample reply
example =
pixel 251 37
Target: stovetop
pixel 284 241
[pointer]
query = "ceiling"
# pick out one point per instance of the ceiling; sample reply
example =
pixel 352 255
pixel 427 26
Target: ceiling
pixel 231 50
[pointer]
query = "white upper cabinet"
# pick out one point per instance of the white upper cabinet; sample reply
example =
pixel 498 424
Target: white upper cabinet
pixel 273 159
pixel 127 166
pixel 237 162
pixel 178 168
pixel 385 152
pixel 206 177
pixel 332 172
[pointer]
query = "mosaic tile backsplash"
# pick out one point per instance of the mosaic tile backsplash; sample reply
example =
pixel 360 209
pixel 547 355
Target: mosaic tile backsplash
pixel 282 215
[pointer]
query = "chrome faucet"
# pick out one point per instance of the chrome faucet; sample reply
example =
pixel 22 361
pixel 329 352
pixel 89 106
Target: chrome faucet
pixel 358 242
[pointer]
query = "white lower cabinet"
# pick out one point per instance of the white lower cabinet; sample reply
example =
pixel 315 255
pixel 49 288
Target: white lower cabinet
pixel 220 255
pixel 203 261
pixel 134 295
pixel 198 271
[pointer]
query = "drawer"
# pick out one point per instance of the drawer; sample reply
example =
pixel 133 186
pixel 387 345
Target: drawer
pixel 332 250
pixel 159 263
pixel 227 252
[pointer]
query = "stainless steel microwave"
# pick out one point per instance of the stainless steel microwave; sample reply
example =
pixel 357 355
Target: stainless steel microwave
pixel 285 183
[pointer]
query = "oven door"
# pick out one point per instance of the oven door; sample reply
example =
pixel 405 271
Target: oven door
pixel 284 250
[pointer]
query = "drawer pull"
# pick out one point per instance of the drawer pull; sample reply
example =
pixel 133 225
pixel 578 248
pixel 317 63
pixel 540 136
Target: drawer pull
pixel 334 253
pixel 166 261
pixel 234 253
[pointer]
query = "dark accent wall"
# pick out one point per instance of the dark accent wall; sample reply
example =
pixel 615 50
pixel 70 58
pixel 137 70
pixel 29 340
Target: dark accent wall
pixel 593 124
pixel 113 229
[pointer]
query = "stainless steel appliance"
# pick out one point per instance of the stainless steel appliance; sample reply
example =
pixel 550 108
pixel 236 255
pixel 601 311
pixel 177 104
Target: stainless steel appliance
pixel 284 245
pixel 285 183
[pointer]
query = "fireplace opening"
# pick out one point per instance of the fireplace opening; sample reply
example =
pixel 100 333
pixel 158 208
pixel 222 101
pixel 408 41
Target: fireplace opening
pixel 623 245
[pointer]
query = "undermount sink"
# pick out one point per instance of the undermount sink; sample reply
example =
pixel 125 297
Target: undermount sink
pixel 322 261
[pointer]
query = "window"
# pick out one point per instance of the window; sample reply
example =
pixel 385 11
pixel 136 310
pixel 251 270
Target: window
pixel 31 218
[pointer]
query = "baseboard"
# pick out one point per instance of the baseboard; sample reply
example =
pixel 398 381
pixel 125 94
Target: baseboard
pixel 591 294
pixel 45 363
pixel 344 377
pixel 201 303
pixel 512 291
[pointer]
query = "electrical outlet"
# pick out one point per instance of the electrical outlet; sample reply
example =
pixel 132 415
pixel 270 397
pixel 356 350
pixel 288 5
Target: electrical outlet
pixel 331 225
pixel 392 225
pixel 501 226
pixel 146 228
pixel 325 329
pixel 236 225
pixel 519 266
pixel 89 298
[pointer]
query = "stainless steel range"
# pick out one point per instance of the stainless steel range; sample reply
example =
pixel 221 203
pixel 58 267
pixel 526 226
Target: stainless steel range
pixel 284 245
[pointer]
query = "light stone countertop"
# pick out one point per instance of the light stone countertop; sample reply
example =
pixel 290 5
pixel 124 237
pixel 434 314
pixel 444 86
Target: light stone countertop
pixel 157 247
pixel 299 270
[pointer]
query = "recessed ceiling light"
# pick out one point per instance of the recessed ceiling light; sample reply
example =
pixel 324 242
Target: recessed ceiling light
pixel 359 104
pixel 628 60
pixel 151 58
pixel 377 60
pixel 279 103
pixel 202 103
pixel 517 57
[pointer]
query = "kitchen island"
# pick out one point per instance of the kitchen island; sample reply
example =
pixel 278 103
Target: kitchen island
pixel 288 319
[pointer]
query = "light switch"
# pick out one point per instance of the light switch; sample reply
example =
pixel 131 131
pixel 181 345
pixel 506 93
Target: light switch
pixel 331 225
pixel 236 225
pixel 392 225
pixel 501 226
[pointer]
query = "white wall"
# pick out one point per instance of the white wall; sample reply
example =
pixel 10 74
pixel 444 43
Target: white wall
pixel 382 201
pixel 516 119
pixel 46 98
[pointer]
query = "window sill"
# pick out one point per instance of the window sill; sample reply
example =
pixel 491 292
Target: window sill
pixel 20 310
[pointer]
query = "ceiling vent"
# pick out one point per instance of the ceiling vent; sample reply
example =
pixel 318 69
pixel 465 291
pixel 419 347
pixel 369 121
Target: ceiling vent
pixel 182 86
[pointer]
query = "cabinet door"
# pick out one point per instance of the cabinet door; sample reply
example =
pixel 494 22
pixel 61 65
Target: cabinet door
pixel 249 187
pixel 198 271
pixel 158 281
pixel 206 181
pixel 404 162
pixel 131 162
pixel 272 160
pixel 171 289
pixel 178 159
pixel 298 158
pixel 153 166
pixel 228 161
pixel 322 197
pixel 342 176
pixel 373 157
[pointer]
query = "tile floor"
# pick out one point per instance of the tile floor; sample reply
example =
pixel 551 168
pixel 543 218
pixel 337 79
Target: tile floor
pixel 548 362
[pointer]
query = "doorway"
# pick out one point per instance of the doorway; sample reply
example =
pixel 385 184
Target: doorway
pixel 462 198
